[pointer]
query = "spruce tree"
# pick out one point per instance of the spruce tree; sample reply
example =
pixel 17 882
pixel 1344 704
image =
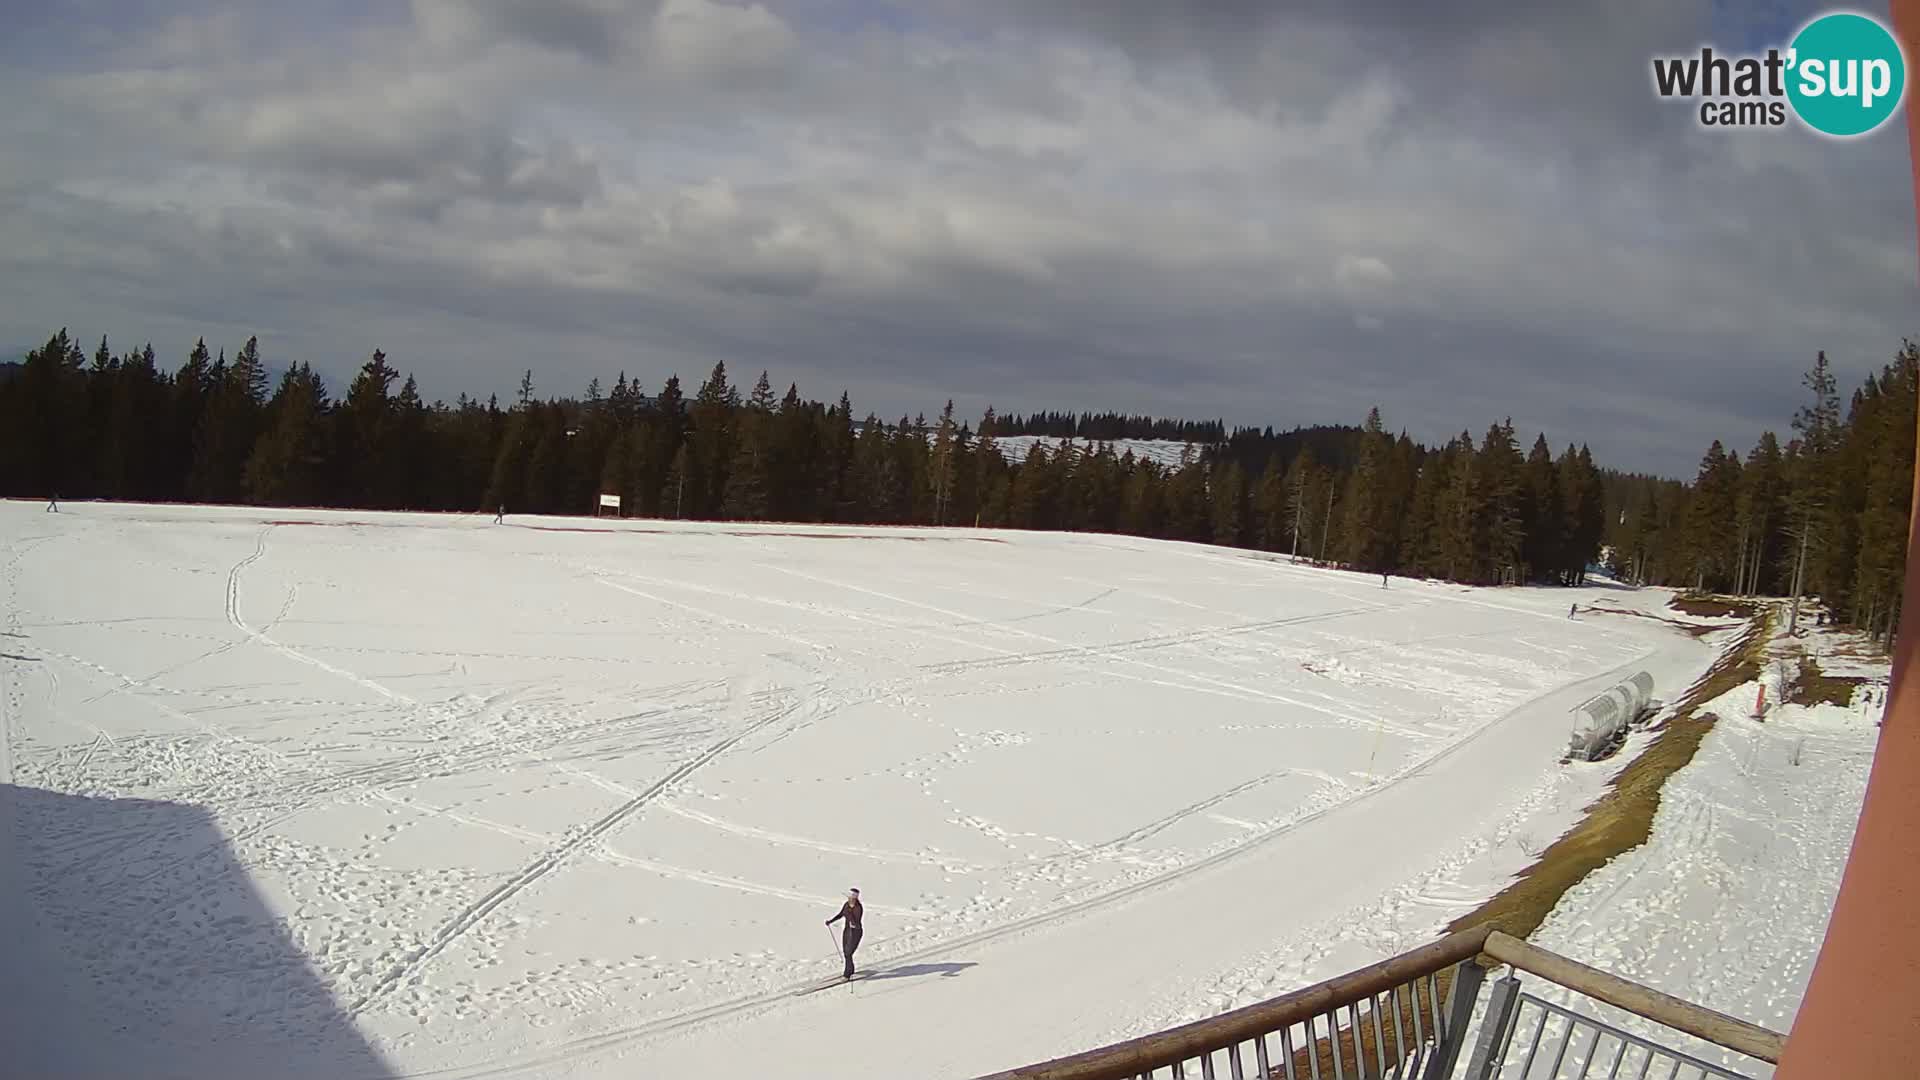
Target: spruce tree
pixel 1270 506
pixel 710 442
pixel 1498 530
pixel 1361 528
pixel 367 422
pixel 1229 493
pixel 284 467
pixel 1547 525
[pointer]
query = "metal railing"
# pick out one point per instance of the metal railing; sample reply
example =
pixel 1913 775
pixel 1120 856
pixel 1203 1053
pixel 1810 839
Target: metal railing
pixel 1562 1039
pixel 1559 1038
pixel 1408 1018
pixel 1403 1018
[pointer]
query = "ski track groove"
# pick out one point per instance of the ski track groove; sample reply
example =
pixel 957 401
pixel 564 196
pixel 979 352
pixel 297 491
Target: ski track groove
pixel 1122 650
pixel 1085 656
pixel 752 1004
pixel 291 653
pixel 345 784
pixel 787 839
pixel 606 854
pixel 471 916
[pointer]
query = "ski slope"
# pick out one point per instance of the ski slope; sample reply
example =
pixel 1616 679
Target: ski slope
pixel 341 794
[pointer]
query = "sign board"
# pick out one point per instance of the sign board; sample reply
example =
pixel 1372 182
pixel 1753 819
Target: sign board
pixel 610 500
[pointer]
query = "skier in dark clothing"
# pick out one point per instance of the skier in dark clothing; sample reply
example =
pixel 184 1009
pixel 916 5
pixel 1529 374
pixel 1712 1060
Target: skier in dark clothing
pixel 500 516
pixel 849 937
pixel 1572 610
pixel 53 504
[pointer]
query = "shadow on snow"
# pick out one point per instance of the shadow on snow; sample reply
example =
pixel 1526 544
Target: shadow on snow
pixel 135 944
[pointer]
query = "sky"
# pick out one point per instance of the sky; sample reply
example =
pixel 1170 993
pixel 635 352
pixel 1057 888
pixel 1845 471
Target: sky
pixel 1270 213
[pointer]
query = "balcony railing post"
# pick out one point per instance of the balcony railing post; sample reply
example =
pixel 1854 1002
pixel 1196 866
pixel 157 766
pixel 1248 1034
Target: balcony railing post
pixel 1460 998
pixel 1493 1029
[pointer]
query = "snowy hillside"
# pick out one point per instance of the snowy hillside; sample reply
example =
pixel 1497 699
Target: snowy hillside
pixel 1165 452
pixel 568 797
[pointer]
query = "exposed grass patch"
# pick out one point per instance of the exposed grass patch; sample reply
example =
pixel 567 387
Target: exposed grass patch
pixel 1704 606
pixel 1693 629
pixel 1622 818
pixel 1616 823
pixel 1815 687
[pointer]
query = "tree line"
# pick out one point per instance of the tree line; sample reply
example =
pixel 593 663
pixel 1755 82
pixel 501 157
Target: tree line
pixel 1824 513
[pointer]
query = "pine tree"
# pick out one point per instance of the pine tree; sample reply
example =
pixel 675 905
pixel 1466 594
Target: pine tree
pixel 1456 546
pixel 797 470
pixel 670 434
pixel 44 420
pixel 1302 501
pixel 1189 516
pixel 229 426
pixel 1757 517
pixel 1270 506
pixel 1229 492
pixel 284 467
pixel 367 419
pixel 746 480
pixel 1140 501
pixel 1497 514
pixel 1885 431
pixel 941 472
pixel 1031 500
pixel 545 483
pixel 1419 555
pixel 710 443
pixel 678 475
pixel 1547 524
pixel 1362 534
pixel 1709 544
pixel 1812 483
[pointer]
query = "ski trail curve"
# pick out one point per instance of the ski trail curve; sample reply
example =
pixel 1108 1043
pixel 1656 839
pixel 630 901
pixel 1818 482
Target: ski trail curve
pixel 784 996
pixel 288 651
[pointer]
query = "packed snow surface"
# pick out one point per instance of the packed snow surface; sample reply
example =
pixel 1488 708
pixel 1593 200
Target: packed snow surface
pixel 341 794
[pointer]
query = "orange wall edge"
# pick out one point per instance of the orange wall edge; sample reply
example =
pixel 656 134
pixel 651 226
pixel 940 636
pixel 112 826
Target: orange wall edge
pixel 1860 1018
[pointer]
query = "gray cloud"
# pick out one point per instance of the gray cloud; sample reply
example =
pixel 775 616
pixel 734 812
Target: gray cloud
pixel 1272 214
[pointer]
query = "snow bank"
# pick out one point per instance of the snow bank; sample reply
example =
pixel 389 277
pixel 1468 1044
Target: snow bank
pixel 1727 902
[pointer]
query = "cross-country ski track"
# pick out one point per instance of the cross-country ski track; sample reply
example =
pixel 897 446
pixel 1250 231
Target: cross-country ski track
pixel 462 800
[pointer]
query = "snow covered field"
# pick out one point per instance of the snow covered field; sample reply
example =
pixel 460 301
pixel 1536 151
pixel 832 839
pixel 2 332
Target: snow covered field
pixel 342 794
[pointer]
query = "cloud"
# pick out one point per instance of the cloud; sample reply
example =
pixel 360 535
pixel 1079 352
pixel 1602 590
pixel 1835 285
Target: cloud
pixel 1272 213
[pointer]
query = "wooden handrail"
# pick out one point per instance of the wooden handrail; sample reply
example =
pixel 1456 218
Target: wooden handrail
pixel 1137 1056
pixel 1141 1056
pixel 1717 1028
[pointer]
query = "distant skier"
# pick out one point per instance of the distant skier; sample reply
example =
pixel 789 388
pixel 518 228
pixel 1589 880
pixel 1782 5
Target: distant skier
pixel 500 515
pixel 53 504
pixel 849 937
pixel 1383 581
pixel 1572 610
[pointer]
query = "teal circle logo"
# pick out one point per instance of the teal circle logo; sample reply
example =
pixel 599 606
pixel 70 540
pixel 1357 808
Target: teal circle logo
pixel 1846 74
